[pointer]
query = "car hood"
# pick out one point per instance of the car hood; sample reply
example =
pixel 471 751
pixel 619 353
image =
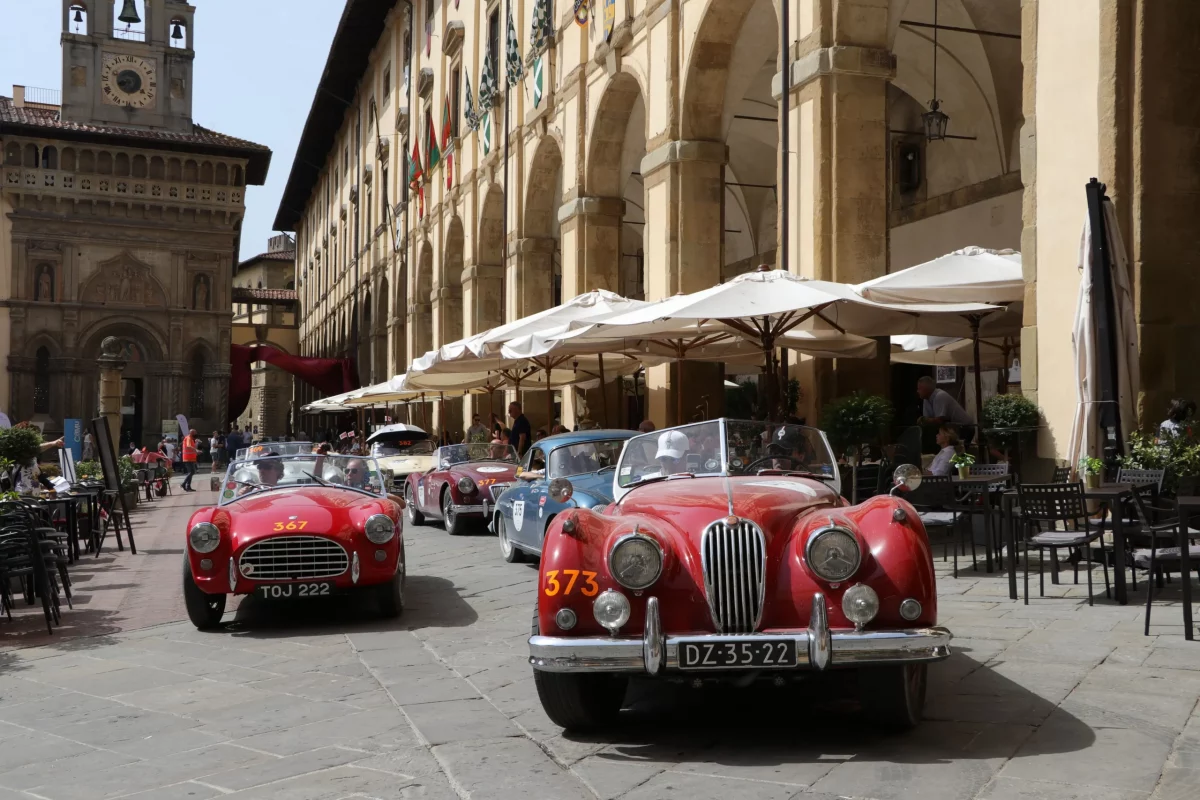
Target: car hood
pixel 405 465
pixel 499 471
pixel 596 484
pixel 324 510
pixel 689 504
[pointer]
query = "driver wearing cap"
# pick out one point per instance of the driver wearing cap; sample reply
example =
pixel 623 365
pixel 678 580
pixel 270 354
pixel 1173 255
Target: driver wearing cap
pixel 792 445
pixel 672 452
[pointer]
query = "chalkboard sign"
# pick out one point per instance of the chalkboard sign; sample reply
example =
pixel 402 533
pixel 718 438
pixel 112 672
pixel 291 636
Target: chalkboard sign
pixel 107 453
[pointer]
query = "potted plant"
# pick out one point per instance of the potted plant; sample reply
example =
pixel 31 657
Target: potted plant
pixel 963 462
pixel 129 484
pixel 89 470
pixel 1008 418
pixel 21 445
pixel 1178 455
pixel 1091 468
pixel 855 420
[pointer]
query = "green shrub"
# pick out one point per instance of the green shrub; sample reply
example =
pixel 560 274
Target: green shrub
pixel 20 445
pixel 128 473
pixel 1090 466
pixel 853 421
pixel 962 460
pixel 88 470
pixel 1009 411
pixel 1178 455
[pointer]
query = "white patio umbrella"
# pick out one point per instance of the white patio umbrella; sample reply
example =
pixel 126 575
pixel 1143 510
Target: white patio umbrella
pixel 1087 436
pixel 592 305
pixel 970 275
pixel 948 351
pixel 761 307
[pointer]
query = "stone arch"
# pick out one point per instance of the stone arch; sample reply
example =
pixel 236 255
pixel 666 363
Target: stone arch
pixel 709 66
pixel 449 284
pixel 539 269
pixel 141 167
pixel 121 166
pixel 489 296
pixel 363 348
pixel 379 334
pixel 422 323
pixel 151 341
pixel 49 157
pixel 12 154
pixel 69 159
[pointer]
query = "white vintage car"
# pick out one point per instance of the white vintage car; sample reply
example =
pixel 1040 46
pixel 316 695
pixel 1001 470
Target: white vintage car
pixel 401 450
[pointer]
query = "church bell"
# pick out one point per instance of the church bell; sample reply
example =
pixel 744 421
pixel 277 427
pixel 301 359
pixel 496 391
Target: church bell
pixel 129 13
pixel 78 14
pixel 176 32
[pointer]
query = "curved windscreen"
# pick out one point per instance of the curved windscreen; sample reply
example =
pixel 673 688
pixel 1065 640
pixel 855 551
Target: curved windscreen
pixel 275 448
pixel 577 459
pixel 401 447
pixel 449 455
pixel 269 472
pixel 725 447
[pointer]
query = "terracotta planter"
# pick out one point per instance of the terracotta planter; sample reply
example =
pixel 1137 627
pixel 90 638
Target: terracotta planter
pixel 964 472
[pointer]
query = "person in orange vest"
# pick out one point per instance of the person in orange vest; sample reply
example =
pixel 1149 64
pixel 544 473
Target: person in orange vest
pixel 189 460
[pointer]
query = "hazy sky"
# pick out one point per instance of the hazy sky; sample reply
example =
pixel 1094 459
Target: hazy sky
pixel 257 66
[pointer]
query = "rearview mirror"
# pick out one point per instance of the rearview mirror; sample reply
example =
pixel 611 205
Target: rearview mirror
pixel 906 478
pixel 561 490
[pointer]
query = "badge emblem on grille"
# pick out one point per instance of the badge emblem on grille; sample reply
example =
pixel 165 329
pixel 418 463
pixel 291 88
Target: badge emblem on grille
pixel 293 518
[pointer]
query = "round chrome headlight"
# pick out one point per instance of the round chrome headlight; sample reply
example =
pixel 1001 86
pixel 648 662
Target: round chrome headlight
pixel 204 537
pixel 833 554
pixel 466 485
pixel 636 561
pixel 380 529
pixel 860 604
pixel 611 610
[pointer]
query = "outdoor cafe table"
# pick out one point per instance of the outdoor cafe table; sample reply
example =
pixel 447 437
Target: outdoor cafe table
pixel 981 484
pixel 1192 504
pixel 1109 494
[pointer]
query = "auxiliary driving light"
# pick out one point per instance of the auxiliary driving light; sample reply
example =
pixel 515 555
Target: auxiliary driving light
pixel 611 610
pixel 860 604
pixel 206 564
pixel 380 555
pixel 910 609
pixel 565 619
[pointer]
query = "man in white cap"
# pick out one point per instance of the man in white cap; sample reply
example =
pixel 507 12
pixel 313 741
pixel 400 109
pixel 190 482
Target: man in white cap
pixel 672 452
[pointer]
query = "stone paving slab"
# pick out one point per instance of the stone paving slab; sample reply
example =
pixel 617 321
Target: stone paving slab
pixel 315 701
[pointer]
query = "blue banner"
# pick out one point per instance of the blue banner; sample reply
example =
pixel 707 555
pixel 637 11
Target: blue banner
pixel 73 437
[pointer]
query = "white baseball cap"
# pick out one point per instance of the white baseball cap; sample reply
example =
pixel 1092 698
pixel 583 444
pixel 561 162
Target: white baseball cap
pixel 672 444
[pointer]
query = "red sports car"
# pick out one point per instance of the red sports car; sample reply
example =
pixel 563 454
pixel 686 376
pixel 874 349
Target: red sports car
pixel 461 486
pixel 291 526
pixel 729 555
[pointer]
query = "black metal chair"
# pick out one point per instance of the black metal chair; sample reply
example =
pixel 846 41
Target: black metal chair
pixel 1046 506
pixel 33 555
pixel 1061 475
pixel 972 499
pixel 1159 560
pixel 938 507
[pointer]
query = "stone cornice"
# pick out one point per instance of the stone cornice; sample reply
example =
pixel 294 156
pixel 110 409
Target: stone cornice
pixel 591 207
pixel 678 151
pixel 837 60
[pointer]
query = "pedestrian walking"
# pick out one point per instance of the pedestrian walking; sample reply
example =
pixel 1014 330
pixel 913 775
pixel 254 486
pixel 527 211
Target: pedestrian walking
pixel 89 448
pixel 216 446
pixel 189 460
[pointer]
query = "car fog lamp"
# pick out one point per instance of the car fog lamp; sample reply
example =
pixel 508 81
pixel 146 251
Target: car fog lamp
pixel 204 537
pixel 380 555
pixel 466 485
pixel 355 568
pixel 611 610
pixel 636 561
pixel 860 604
pixel 833 554
pixel 206 564
pixel 232 574
pixel 910 609
pixel 380 529
pixel 561 490
pixel 565 619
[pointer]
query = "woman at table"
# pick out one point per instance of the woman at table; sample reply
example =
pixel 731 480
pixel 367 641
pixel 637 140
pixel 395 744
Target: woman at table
pixel 947 439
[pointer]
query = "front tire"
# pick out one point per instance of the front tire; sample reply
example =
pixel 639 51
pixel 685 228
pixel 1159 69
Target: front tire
pixel 410 501
pixel 453 522
pixel 390 596
pixel 585 702
pixel 204 610
pixel 512 554
pixel 894 697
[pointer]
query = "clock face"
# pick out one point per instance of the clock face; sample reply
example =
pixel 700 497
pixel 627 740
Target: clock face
pixel 128 81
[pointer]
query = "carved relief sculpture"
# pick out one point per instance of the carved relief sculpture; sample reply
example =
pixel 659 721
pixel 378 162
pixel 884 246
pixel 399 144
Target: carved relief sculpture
pixel 124 281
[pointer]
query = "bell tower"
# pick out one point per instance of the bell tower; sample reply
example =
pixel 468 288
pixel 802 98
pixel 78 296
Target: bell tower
pixel 128 63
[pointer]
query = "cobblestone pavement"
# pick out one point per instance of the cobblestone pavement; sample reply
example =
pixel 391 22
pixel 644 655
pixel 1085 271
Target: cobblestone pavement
pixel 323 700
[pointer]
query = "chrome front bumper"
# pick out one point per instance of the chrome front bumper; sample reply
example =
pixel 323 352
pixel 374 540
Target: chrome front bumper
pixel 817 647
pixel 482 508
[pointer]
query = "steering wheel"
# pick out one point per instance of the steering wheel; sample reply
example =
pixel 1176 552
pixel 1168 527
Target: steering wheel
pixel 781 457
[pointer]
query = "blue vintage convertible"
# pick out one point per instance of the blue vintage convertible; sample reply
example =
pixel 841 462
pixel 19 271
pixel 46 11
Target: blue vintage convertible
pixel 586 459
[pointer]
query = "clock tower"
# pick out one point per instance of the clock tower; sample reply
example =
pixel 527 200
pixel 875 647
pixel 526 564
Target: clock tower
pixel 128 63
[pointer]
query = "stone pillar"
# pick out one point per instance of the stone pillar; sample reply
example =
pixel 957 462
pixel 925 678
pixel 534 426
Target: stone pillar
pixel 111 365
pixel 685 235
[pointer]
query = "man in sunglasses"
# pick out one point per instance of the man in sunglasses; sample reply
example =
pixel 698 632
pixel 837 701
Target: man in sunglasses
pixel 357 475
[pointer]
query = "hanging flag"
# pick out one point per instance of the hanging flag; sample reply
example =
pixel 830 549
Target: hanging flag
pixel 487 82
pixel 581 12
pixel 435 152
pixel 513 68
pixel 610 18
pixel 541 33
pixel 428 37
pixel 485 140
pixel 447 144
pixel 538 80
pixel 469 106
pixel 414 168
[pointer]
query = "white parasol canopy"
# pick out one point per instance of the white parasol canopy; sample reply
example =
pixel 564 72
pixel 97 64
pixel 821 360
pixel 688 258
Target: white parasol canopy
pixel 592 305
pixel 970 275
pixel 947 351
pixel 1086 434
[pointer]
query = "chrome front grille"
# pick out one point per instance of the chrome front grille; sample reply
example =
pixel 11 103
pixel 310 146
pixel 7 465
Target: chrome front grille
pixel 734 557
pixel 293 558
pixel 496 490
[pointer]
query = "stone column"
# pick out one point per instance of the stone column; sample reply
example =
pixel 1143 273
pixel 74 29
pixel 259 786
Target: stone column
pixel 111 365
pixel 684 234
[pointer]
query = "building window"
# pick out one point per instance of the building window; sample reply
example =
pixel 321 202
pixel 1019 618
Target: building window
pixel 197 396
pixel 387 83
pixel 41 382
pixel 494 42
pixel 455 100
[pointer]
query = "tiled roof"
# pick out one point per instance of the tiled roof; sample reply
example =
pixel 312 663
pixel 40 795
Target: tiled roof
pixel 243 295
pixel 278 255
pixel 47 122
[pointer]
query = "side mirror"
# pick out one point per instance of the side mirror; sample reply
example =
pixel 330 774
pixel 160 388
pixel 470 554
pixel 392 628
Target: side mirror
pixel 906 478
pixel 561 490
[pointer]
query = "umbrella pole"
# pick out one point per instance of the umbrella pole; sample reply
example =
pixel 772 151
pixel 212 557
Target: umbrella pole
pixel 549 403
pixel 679 394
pixel 603 393
pixel 983 454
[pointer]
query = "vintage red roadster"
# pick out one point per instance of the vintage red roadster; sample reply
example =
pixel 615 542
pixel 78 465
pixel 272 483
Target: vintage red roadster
pixel 462 485
pixel 293 526
pixel 729 555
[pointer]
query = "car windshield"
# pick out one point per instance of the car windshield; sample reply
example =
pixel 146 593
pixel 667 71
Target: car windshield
pixel 401 447
pixel 278 448
pixel 577 459
pixel 270 471
pixel 725 447
pixel 449 455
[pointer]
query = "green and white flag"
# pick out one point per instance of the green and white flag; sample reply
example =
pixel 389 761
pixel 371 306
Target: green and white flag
pixel 542 32
pixel 513 68
pixel 487 83
pixel 469 106
pixel 539 80
pixel 485 138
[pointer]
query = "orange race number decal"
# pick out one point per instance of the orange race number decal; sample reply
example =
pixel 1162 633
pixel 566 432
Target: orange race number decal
pixel 553 585
pixel 486 481
pixel 294 525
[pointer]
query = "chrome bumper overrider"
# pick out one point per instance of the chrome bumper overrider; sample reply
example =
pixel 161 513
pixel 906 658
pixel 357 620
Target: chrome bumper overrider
pixel 817 648
pixel 482 508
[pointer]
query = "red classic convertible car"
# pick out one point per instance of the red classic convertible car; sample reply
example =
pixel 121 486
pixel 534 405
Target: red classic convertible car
pixel 461 486
pixel 729 555
pixel 301 525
